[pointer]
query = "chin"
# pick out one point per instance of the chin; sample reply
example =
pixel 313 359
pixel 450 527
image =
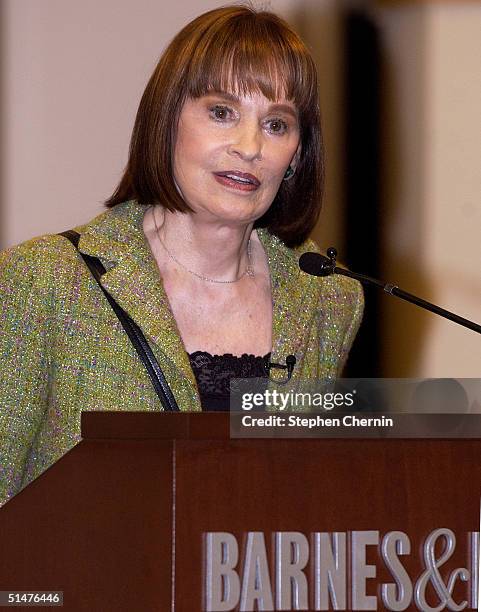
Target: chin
pixel 235 212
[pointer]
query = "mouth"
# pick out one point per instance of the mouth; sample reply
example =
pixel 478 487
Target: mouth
pixel 242 181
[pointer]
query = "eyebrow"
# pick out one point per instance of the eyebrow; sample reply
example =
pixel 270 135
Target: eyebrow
pixel 281 108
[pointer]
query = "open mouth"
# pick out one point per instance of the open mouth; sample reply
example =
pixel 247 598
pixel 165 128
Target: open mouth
pixel 238 180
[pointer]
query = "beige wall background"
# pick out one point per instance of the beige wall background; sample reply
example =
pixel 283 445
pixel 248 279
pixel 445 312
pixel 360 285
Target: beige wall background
pixel 72 75
pixel 432 181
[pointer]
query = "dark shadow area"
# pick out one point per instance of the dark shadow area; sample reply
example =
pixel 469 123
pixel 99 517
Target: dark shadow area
pixel 362 181
pixel 393 333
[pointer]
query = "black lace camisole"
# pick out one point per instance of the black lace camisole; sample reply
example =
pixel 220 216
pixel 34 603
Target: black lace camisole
pixel 213 374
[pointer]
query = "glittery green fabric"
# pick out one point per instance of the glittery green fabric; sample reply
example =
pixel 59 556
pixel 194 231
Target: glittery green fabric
pixel 63 350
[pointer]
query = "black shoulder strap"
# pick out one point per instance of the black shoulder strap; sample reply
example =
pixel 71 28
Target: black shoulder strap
pixel 133 331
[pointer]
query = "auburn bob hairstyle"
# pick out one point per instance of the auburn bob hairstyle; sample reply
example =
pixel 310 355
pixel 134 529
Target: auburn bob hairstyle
pixel 239 50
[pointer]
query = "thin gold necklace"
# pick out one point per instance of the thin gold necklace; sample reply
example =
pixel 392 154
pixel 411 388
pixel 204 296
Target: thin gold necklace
pixel 249 271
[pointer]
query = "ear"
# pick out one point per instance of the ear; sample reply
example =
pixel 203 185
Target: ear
pixel 296 158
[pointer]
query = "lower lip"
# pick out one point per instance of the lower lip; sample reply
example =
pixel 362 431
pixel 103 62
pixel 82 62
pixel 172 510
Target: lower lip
pixel 228 182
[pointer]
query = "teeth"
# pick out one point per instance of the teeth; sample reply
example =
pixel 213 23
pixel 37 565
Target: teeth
pixel 238 178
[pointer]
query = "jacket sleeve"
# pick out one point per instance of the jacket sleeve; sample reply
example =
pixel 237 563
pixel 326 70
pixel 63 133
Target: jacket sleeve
pixel 356 301
pixel 346 298
pixel 25 290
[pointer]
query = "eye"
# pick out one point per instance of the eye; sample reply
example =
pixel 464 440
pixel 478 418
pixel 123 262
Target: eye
pixel 221 113
pixel 277 126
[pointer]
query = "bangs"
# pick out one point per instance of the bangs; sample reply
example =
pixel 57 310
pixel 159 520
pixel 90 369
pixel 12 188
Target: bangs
pixel 252 56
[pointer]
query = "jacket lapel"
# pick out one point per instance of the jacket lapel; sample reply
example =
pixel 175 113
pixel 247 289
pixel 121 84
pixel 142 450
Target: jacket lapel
pixel 132 278
pixel 292 306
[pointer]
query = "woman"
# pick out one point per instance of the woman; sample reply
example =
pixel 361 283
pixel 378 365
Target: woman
pixel 200 245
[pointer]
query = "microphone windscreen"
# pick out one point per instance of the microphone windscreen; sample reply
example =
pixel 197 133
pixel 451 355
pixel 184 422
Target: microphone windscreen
pixel 315 264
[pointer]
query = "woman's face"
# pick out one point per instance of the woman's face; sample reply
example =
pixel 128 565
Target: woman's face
pixel 232 152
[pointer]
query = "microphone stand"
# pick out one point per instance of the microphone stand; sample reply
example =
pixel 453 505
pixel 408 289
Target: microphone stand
pixel 329 267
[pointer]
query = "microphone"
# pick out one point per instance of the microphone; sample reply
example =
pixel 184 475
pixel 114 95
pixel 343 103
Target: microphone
pixel 315 264
pixel 319 265
pixel 290 363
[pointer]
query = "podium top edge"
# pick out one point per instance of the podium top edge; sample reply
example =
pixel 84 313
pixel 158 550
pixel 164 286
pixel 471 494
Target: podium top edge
pixel 155 425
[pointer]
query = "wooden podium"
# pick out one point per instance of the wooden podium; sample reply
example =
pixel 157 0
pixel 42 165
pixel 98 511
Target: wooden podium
pixel 121 522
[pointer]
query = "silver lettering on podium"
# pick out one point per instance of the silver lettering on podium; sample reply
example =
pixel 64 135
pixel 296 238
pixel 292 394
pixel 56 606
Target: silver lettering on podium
pixel 222 581
pixel 268 578
pixel 292 555
pixel 256 583
pixel 330 571
pixel 474 567
pixel 396 596
pixel 432 575
pixel 361 571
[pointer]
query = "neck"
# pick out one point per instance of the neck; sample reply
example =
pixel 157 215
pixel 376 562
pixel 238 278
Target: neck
pixel 210 248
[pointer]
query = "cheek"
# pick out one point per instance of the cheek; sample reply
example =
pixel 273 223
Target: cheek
pixel 281 157
pixel 277 170
pixel 195 151
pixel 184 149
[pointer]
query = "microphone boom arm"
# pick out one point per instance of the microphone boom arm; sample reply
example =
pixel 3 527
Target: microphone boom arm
pixel 404 295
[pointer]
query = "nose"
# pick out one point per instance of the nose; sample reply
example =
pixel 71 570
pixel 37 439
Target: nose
pixel 247 143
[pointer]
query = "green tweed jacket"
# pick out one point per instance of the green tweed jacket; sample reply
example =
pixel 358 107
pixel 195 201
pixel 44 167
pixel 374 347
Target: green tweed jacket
pixel 63 350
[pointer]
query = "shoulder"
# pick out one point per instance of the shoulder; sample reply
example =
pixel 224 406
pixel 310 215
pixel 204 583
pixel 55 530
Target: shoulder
pixel 339 297
pixel 342 290
pixel 36 253
pixel 37 265
pixel 345 292
pixel 51 251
